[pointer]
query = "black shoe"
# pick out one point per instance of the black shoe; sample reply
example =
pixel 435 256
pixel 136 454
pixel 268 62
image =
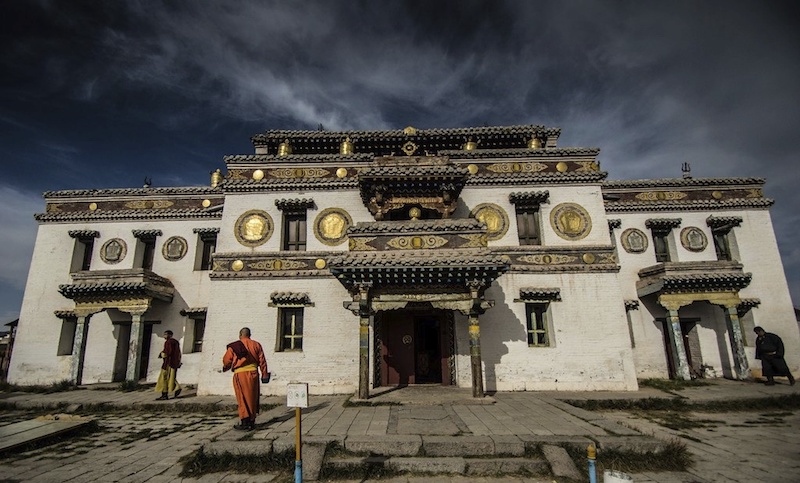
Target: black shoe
pixel 162 398
pixel 244 425
pixel 177 393
pixel 769 383
pixel 791 382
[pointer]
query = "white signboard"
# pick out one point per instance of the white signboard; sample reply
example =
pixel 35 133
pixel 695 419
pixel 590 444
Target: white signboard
pixel 297 395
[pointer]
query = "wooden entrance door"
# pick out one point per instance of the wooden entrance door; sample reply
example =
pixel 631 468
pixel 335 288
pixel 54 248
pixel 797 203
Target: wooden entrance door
pixel 414 349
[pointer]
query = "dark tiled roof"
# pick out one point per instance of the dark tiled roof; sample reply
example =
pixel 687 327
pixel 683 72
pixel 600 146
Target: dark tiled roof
pixel 681 182
pixel 532 294
pixel 280 135
pixel 614 223
pixel 709 281
pixel 631 305
pixel 663 223
pixel 272 184
pixel 408 171
pixel 537 178
pixel 294 204
pixel 94 193
pixel 194 311
pixel 146 234
pixel 206 230
pixel 718 222
pixel 292 298
pixel 292 159
pixel 84 233
pixel 120 215
pixel 529 197
pixel 518 153
pixel 691 205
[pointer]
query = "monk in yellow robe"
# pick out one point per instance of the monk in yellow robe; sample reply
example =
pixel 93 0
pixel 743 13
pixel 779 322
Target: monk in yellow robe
pixel 168 377
pixel 246 357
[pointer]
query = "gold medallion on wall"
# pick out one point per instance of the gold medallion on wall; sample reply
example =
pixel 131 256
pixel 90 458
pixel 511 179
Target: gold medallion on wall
pixel 253 228
pixel 330 226
pixel 174 248
pixel 495 218
pixel 113 251
pixel 693 239
pixel 570 221
pixel 634 240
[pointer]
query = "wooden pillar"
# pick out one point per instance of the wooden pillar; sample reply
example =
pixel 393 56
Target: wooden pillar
pixel 135 347
pixel 475 355
pixel 741 366
pixel 79 349
pixel 363 341
pixel 675 335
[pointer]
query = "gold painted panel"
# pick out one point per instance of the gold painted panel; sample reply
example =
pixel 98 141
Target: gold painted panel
pixel 570 221
pixel 417 242
pixel 148 204
pixel 253 228
pixel 547 259
pixel 360 244
pixel 661 195
pixel 495 218
pixel 516 167
pixel 330 226
pixel 293 173
pixel 277 265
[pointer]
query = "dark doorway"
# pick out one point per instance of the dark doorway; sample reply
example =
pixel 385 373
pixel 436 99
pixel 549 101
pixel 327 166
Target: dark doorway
pixel 121 356
pixel 146 341
pixel 414 348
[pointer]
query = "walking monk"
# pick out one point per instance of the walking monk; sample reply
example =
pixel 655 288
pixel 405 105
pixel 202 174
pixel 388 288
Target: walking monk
pixel 246 357
pixel 168 377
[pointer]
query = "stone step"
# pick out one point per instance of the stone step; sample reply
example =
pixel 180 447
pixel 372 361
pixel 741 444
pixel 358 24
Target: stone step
pixel 454 465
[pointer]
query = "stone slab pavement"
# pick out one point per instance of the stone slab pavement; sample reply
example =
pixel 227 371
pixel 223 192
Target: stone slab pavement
pixel 142 444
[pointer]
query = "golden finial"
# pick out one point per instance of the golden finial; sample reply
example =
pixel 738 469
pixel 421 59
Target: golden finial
pixel 284 148
pixel 409 130
pixel 216 178
pixel 414 213
pixel 346 147
pixel 470 145
pixel 534 143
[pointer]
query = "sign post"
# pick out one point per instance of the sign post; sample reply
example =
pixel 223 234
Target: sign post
pixel 297 398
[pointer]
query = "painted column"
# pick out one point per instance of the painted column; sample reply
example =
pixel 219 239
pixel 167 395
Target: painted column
pixel 679 359
pixel 475 355
pixel 135 347
pixel 737 342
pixel 79 349
pixel 363 342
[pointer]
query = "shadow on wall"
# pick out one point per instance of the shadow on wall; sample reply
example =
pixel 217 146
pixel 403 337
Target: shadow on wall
pixel 506 328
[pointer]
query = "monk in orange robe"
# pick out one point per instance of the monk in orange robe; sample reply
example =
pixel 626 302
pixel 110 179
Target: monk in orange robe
pixel 246 357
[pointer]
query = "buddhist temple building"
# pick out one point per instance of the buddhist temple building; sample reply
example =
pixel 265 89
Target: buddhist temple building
pixel 487 258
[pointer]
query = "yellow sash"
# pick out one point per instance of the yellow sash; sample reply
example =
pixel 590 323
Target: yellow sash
pixel 248 367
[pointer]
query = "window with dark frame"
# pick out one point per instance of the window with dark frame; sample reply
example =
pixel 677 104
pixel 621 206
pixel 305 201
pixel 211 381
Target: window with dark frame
pixel 290 337
pixel 722 246
pixel 661 245
pixel 88 247
pixel 294 232
pixel 199 333
pixel 528 225
pixel 537 320
pixel 148 252
pixel 84 248
pixel 208 246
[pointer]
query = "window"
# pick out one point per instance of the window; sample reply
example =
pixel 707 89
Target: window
pixel 722 246
pixel 290 336
pixel 199 332
pixel 528 226
pixel 84 246
pixel 661 245
pixel 537 315
pixel 294 232
pixel 67 339
pixel 208 245
pixel 724 241
pixel 146 247
pixel 527 205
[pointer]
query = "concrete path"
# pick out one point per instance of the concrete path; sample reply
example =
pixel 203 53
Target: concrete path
pixel 145 444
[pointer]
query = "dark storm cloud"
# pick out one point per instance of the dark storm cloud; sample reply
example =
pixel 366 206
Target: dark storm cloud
pixel 99 94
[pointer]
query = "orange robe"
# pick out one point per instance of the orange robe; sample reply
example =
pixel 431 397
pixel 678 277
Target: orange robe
pixel 245 376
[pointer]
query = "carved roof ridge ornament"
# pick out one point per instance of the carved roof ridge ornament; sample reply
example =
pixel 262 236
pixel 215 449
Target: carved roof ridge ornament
pixel 662 223
pixel 527 294
pixel 290 298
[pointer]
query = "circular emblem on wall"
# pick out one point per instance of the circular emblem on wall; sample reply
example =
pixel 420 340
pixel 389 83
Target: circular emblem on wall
pixel 495 218
pixel 570 221
pixel 633 240
pixel 253 228
pixel 693 239
pixel 113 251
pixel 174 248
pixel 330 226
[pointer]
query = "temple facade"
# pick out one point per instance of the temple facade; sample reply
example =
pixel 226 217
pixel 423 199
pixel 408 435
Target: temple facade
pixel 484 257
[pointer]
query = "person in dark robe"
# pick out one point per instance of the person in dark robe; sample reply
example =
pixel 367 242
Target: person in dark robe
pixel 168 377
pixel 246 357
pixel 769 348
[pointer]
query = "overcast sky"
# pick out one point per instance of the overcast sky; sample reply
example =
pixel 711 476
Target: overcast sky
pixel 101 94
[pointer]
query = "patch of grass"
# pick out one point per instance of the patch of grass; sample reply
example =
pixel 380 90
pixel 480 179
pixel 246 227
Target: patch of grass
pixel 787 402
pixel 200 463
pixel 679 420
pixel 60 386
pixel 674 457
pixel 669 385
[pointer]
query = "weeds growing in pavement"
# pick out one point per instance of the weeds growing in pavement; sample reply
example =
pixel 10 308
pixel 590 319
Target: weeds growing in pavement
pixel 60 386
pixel 786 402
pixel 669 385
pixel 674 457
pixel 200 463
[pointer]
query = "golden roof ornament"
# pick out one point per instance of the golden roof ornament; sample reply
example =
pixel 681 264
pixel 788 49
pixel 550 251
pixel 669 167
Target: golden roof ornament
pixel 534 143
pixel 470 145
pixel 346 147
pixel 216 178
pixel 284 148
pixel 409 130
